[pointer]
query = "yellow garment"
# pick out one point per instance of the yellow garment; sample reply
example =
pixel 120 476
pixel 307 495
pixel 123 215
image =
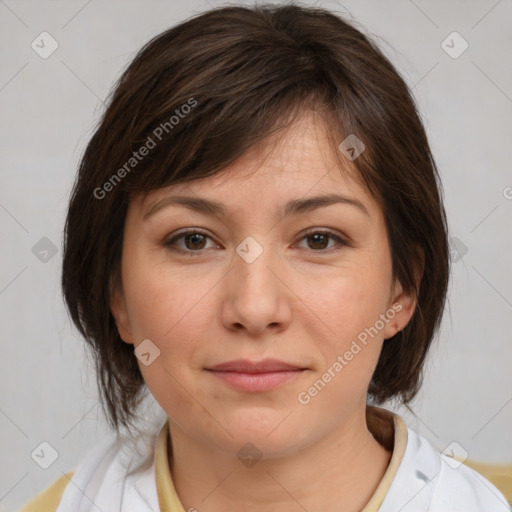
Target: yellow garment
pixel 49 499
pixel 168 497
pixel 498 474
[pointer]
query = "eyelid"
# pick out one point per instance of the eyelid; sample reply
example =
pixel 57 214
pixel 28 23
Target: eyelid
pixel 325 231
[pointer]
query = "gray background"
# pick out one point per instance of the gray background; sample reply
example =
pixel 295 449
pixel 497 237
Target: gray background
pixel 48 110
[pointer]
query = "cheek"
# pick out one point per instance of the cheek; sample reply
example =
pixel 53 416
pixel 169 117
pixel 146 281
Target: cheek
pixel 349 353
pixel 171 310
pixel 161 300
pixel 356 341
pixel 350 302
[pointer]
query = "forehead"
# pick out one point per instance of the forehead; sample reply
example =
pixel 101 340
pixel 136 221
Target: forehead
pixel 295 162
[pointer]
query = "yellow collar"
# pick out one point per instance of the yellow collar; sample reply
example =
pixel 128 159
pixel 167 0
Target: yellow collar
pixel 167 495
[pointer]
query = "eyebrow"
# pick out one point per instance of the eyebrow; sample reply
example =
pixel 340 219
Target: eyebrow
pixel 294 207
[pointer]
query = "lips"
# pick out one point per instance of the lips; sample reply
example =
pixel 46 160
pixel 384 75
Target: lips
pixel 259 376
pixel 246 366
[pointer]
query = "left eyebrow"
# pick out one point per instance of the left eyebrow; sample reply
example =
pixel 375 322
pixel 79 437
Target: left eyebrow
pixel 298 206
pixel 293 207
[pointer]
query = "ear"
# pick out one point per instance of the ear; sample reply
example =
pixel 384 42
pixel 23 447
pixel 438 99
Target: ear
pixel 120 311
pixel 404 302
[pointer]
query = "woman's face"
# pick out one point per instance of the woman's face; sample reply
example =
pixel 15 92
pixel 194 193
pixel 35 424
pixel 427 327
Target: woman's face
pixel 272 272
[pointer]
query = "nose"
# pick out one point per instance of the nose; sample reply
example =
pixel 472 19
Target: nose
pixel 256 297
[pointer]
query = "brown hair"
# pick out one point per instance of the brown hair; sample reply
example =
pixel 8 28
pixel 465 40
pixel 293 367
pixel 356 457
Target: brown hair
pixel 197 97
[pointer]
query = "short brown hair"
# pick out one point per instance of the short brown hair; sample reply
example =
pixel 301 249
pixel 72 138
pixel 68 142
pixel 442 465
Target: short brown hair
pixel 245 73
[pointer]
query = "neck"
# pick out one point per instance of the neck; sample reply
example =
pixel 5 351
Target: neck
pixel 344 467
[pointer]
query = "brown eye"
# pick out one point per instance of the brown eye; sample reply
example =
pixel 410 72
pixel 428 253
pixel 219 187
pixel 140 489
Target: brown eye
pixel 189 241
pixel 195 241
pixel 319 241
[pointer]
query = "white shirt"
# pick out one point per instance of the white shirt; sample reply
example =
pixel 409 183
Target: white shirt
pixel 135 477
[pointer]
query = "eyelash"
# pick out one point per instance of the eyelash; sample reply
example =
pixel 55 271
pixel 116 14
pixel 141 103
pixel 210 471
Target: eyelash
pixel 171 244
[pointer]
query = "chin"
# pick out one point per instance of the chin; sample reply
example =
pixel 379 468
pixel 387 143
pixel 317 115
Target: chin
pixel 274 432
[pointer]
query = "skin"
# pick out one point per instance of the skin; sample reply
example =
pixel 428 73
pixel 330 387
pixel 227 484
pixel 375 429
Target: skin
pixel 302 301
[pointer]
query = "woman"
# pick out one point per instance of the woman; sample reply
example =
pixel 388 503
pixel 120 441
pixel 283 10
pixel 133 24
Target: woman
pixel 256 237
